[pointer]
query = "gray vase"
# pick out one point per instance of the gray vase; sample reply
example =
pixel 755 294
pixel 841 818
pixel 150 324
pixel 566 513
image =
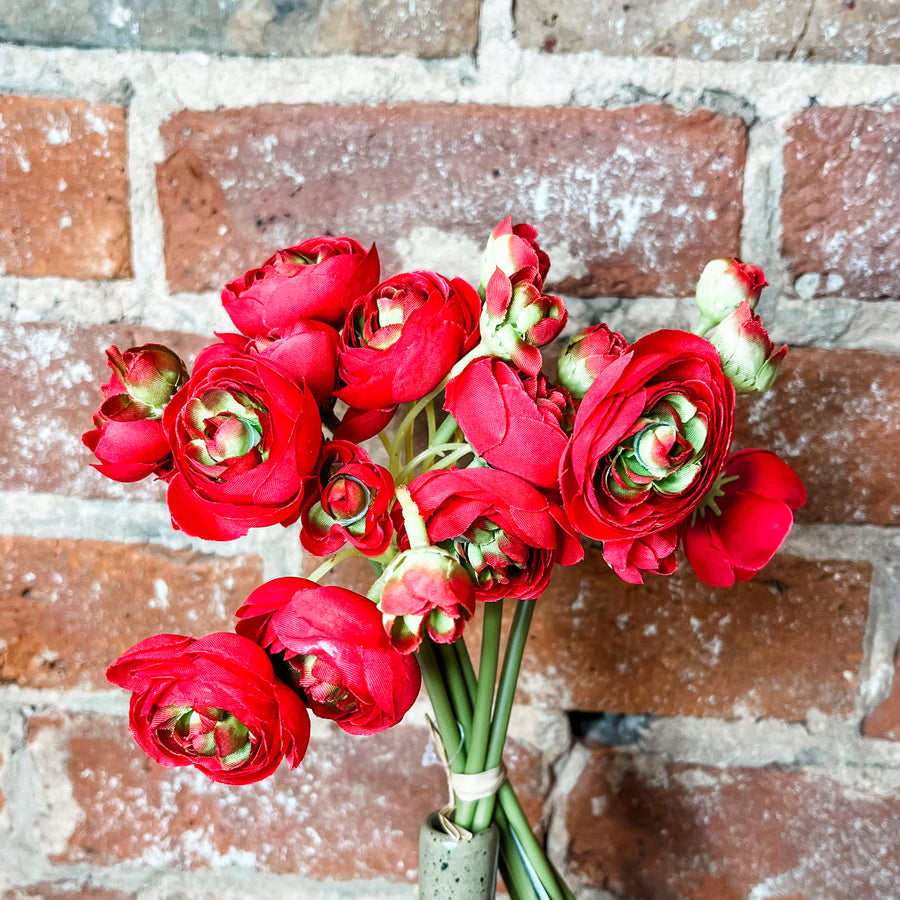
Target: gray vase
pixel 456 870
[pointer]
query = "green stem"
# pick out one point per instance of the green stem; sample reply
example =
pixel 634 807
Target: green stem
pixel 445 430
pixel 459 696
pixel 509 675
pixel 477 743
pixel 443 711
pixel 517 873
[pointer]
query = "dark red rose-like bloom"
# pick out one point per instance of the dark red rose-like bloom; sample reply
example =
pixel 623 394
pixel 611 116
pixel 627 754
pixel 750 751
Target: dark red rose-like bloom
pixel 128 437
pixel 515 422
pixel 212 703
pixel 650 436
pixel 505 532
pixel 351 505
pixel 652 554
pixel 245 439
pixel 318 279
pixel 401 340
pixel 335 650
pixel 745 518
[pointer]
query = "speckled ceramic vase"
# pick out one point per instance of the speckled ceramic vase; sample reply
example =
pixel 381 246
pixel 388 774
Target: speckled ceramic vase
pixel 456 870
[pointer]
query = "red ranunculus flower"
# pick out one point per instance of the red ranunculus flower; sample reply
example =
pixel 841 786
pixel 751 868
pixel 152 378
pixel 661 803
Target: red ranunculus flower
pixel 352 503
pixel 307 352
pixel 744 519
pixel 336 652
pixel 650 436
pixel 424 591
pixel 506 533
pixel 318 279
pixel 652 554
pixel 515 422
pixel 212 703
pixel 128 437
pixel 245 439
pixel 400 340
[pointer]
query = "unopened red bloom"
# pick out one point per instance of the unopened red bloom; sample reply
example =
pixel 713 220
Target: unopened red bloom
pixel 505 532
pixel 515 422
pixel 744 519
pixel 424 591
pixel 335 652
pixel 317 279
pixel 586 355
pixel 128 437
pixel 512 248
pixel 245 438
pixel 650 436
pixel 400 340
pixel 212 703
pixel 351 505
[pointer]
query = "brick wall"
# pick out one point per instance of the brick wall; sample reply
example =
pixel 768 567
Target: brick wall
pixel 679 741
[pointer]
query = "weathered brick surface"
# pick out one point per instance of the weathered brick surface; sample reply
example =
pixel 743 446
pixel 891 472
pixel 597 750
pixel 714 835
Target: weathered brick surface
pixel 51 375
pixel 782 644
pixel 426 28
pixel 351 810
pixel 715 29
pixel 64 183
pixel 840 206
pixel 637 195
pixel 884 722
pixel 652 830
pixel 46 890
pixel 68 608
pixel 831 416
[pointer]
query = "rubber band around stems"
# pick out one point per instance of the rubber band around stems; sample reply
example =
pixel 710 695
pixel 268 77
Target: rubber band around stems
pixel 462 786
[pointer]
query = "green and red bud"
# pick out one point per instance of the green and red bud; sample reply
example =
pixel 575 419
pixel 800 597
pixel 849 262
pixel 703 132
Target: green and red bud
pixel 148 375
pixel 512 248
pixel 518 318
pixel 749 358
pixel 724 284
pixel 425 591
pixel 586 355
pixel 204 731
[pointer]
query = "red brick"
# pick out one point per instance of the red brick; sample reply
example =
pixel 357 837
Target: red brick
pixel 884 722
pixel 840 205
pixel 46 890
pixel 52 375
pixel 654 830
pixel 782 644
pixel 738 30
pixel 351 810
pixel 831 416
pixel 639 195
pixel 68 608
pixel 65 189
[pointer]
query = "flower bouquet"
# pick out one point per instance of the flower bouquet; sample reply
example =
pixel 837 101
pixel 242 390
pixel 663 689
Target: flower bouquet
pixel 409 421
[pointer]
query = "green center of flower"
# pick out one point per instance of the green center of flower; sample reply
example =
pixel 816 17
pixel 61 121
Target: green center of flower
pixel 489 554
pixel 204 731
pixel 346 499
pixel 322 685
pixel 380 324
pixel 664 455
pixel 226 426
